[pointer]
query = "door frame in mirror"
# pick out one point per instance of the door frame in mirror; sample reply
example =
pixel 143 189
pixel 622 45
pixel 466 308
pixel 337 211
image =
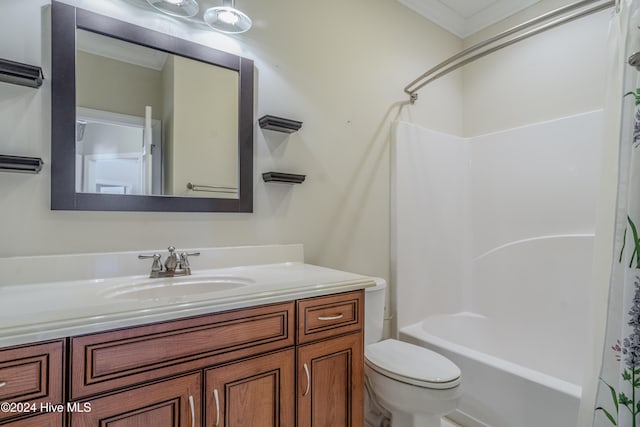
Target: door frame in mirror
pixel 65 20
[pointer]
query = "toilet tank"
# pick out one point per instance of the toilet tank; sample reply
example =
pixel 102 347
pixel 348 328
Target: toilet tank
pixel 374 298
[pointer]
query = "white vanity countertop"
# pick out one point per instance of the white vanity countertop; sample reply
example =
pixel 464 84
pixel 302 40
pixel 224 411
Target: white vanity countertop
pixel 43 311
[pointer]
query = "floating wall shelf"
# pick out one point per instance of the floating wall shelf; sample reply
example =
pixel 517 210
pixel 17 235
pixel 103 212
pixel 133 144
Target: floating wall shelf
pixel 20 164
pixel 279 124
pixel 20 74
pixel 288 178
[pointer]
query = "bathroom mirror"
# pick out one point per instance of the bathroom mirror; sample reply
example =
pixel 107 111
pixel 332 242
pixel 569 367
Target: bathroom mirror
pixel 142 121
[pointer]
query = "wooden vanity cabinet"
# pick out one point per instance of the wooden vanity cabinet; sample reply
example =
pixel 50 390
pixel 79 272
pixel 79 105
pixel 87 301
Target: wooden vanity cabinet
pixel 330 363
pixel 297 363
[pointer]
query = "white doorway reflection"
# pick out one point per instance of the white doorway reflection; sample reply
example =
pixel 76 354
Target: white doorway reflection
pixel 111 154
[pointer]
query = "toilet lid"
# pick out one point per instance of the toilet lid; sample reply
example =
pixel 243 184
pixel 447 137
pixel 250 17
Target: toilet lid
pixel 412 364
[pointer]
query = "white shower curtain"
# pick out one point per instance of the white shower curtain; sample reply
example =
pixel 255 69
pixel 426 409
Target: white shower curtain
pixel 618 393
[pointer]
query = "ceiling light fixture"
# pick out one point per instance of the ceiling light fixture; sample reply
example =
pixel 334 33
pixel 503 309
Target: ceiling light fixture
pixel 179 8
pixel 227 18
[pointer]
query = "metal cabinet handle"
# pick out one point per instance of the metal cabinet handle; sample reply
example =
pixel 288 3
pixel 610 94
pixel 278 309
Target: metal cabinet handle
pixel 193 411
pixel 336 317
pixel 215 398
pixel 3 383
pixel 306 371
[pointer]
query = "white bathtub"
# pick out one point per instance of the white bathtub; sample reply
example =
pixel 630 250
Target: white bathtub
pixel 532 383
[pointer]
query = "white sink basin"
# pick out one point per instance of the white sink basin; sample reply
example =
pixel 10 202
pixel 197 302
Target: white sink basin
pixel 175 287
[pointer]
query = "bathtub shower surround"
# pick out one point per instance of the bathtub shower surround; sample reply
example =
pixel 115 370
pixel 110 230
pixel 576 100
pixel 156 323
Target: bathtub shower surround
pixel 485 245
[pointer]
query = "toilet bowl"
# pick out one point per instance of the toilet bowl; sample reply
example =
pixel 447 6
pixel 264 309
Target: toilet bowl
pixel 415 385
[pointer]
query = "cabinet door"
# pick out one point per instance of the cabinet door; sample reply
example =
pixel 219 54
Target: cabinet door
pixel 170 403
pixel 330 383
pixel 43 420
pixel 256 392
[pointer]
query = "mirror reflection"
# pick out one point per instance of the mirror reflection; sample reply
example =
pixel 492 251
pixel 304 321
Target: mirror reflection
pixel 153 123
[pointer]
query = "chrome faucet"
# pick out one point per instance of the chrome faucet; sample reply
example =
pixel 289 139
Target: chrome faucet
pixel 173 266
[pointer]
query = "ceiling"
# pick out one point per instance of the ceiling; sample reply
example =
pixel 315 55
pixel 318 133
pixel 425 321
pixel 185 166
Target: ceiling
pixel 465 17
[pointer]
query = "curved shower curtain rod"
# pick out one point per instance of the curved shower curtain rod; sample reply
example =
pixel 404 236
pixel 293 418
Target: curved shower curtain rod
pixel 450 64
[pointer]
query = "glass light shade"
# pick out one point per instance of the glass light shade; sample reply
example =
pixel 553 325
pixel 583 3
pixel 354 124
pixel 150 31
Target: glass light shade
pixel 180 8
pixel 227 20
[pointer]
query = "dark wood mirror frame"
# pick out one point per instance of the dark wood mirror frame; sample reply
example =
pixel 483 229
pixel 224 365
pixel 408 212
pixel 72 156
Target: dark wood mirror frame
pixel 65 19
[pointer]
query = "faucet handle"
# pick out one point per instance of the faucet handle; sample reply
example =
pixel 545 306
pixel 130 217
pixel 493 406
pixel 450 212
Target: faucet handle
pixel 156 267
pixel 184 260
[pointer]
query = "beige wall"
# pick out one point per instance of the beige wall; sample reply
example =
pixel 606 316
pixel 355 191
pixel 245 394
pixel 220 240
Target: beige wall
pixel 338 66
pixel 109 85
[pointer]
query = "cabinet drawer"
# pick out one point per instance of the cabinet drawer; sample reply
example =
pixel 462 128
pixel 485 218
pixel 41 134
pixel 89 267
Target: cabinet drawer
pixel 31 374
pixel 324 317
pixel 110 360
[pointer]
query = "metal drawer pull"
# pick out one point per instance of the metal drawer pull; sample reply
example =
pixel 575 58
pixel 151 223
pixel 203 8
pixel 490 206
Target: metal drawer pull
pixel 306 371
pixel 336 317
pixel 193 411
pixel 215 397
pixel 3 383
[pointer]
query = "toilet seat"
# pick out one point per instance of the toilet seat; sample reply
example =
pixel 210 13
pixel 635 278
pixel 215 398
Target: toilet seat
pixel 411 364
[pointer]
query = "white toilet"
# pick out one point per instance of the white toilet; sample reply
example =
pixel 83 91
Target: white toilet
pixel 415 385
